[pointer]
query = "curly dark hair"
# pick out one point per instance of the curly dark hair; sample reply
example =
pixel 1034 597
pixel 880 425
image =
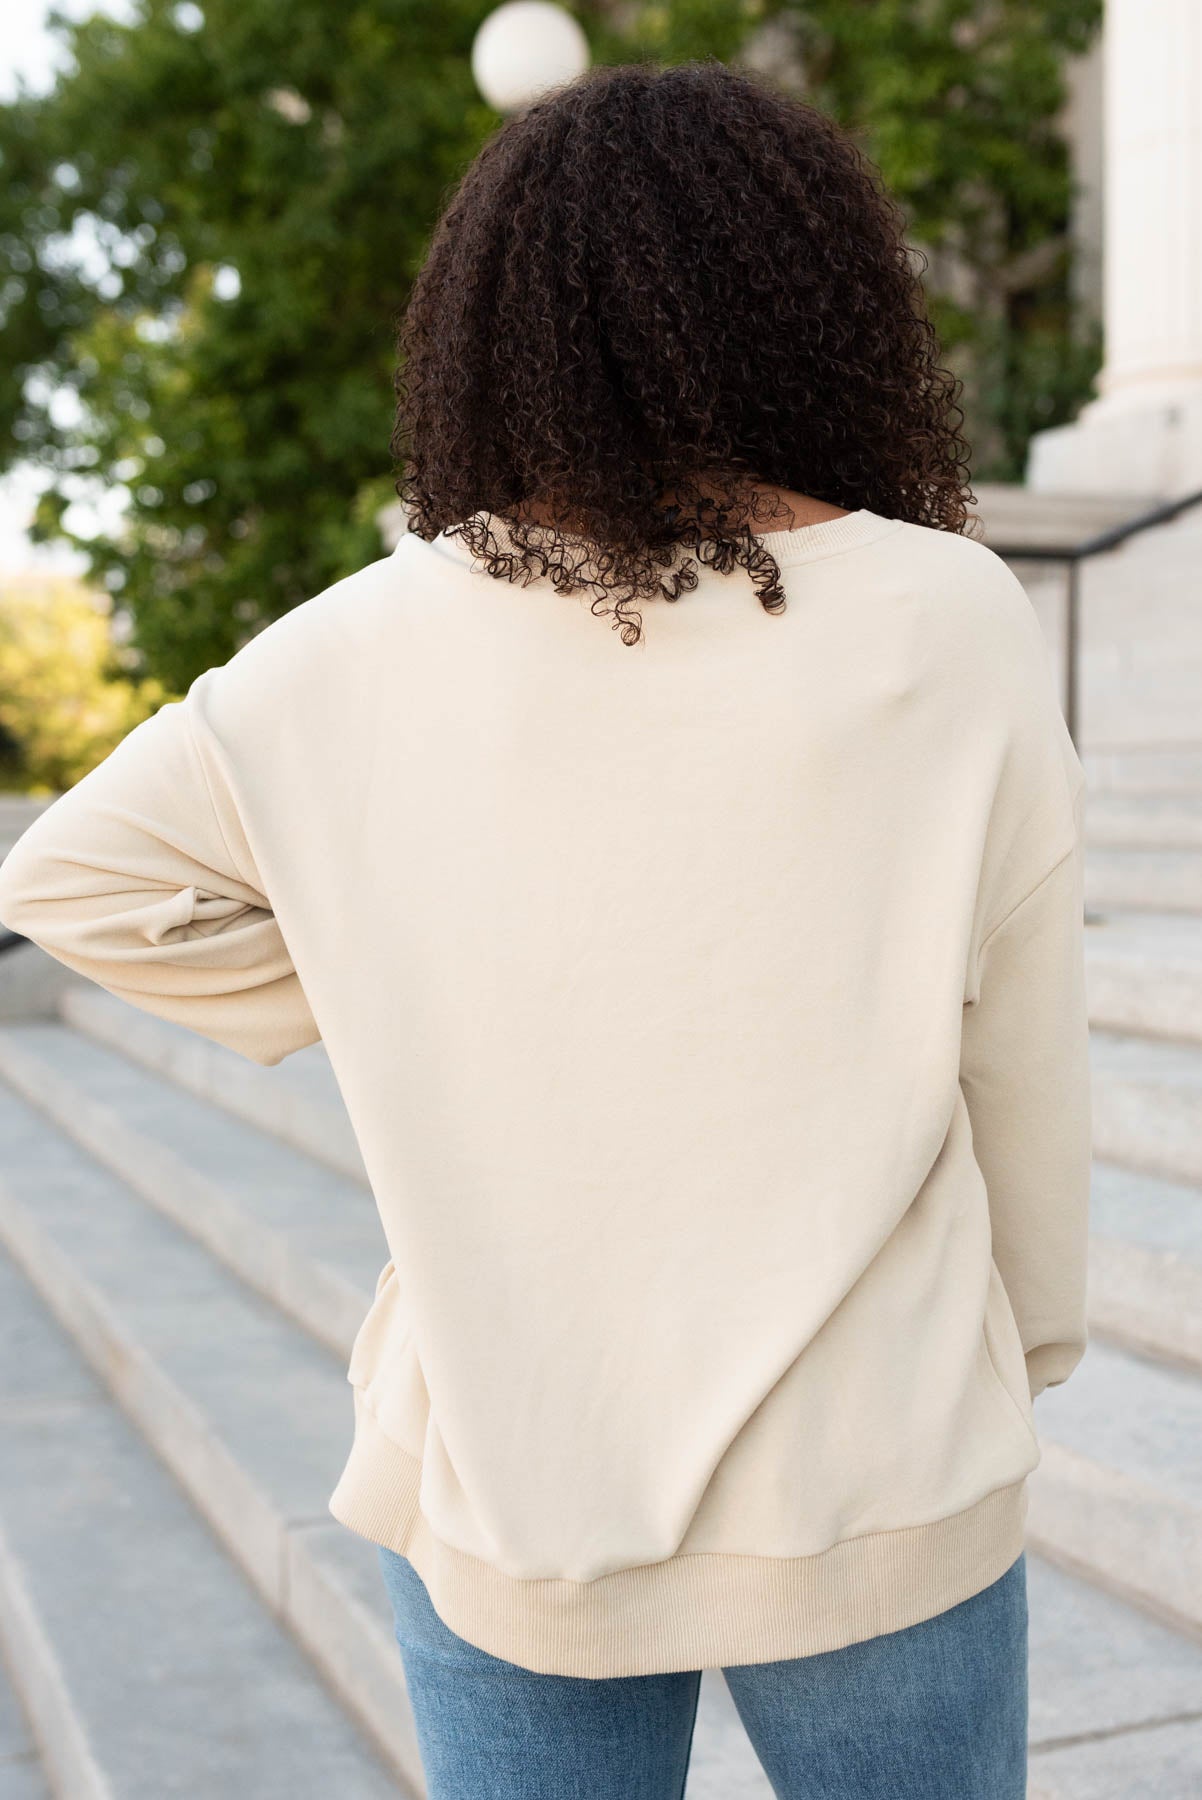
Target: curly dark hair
pixel 651 289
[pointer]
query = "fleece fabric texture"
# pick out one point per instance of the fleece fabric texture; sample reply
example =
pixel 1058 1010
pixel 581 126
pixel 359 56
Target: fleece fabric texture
pixel 711 1017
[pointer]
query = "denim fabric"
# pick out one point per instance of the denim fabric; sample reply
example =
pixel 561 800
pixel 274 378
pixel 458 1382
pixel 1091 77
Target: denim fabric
pixel 937 1711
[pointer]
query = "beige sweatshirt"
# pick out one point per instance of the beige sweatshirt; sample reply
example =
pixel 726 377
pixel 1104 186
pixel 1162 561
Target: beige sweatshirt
pixel 711 1016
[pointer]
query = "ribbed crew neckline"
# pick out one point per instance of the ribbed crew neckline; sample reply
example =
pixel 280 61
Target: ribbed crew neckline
pixel 826 536
pixel 803 543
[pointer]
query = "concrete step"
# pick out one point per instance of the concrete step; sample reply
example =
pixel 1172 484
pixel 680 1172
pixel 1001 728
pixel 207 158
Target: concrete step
pixel 1156 821
pixel 17 812
pixel 1165 1761
pixel 146 1664
pixel 31 983
pixel 1145 1263
pixel 1117 1495
pixel 1140 878
pixel 723 1765
pixel 1147 1105
pixel 307 1238
pixel 297 1101
pixel 251 1416
pixel 1115 1696
pixel 1157 769
pixel 1144 974
pixel 22 1775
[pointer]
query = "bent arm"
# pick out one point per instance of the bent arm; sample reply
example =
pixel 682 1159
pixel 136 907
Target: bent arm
pixel 128 878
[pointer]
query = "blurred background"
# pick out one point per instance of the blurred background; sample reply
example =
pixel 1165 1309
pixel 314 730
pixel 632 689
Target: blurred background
pixel 210 215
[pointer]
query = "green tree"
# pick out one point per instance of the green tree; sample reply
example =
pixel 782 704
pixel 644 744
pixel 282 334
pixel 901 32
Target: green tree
pixel 66 697
pixel 254 188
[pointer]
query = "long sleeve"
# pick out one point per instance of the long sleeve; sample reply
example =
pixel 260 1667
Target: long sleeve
pixel 129 878
pixel 1025 1076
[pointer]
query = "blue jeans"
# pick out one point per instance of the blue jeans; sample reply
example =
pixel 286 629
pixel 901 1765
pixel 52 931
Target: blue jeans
pixel 936 1711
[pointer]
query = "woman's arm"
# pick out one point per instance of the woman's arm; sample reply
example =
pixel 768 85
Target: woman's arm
pixel 130 878
pixel 1025 1076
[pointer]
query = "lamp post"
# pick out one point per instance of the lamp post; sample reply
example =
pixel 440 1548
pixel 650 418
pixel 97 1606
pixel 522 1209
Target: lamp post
pixel 523 48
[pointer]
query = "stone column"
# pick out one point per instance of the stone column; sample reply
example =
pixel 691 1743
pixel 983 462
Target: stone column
pixel 1142 436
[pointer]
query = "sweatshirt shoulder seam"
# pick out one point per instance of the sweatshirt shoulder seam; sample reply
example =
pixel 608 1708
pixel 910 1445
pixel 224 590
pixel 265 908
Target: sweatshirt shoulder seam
pixel 1029 895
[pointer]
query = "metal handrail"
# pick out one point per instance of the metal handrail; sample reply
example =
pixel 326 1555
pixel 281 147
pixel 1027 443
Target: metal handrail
pixel 1073 555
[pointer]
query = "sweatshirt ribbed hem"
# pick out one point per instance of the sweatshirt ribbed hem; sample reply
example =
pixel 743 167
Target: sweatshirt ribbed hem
pixel 691 1611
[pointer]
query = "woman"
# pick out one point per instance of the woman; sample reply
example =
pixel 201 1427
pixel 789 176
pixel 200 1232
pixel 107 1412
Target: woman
pixel 706 992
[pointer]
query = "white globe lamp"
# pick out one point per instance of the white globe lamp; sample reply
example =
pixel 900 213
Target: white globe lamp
pixel 523 48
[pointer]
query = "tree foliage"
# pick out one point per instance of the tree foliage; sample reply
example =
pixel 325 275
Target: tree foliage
pixel 66 698
pixel 209 224
pixel 254 186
